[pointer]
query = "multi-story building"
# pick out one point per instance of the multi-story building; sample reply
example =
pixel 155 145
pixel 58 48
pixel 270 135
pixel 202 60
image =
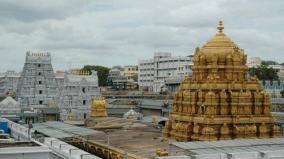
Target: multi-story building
pixel 76 93
pixel 130 72
pixel 152 73
pixel 146 74
pixel 123 78
pixel 37 87
pixel 254 62
pixel 8 82
pixel 115 79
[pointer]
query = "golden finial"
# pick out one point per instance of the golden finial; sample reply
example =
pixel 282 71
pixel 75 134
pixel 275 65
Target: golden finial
pixel 220 26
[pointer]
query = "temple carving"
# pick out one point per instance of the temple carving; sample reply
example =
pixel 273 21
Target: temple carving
pixel 219 101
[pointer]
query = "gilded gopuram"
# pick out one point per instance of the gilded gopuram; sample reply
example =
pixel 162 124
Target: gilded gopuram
pixel 220 101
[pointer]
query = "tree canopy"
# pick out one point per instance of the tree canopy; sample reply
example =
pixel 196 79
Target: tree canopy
pixel 269 62
pixel 263 72
pixel 102 72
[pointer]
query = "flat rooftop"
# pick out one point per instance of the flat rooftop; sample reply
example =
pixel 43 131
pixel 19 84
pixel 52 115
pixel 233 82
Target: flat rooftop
pixel 135 137
pixel 272 148
pixel 62 130
pixel 139 142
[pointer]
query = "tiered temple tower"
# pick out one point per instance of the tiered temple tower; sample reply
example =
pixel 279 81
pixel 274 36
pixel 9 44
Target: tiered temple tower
pixel 219 101
pixel 37 87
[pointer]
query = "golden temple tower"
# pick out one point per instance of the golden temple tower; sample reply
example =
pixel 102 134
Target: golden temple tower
pixel 98 107
pixel 219 101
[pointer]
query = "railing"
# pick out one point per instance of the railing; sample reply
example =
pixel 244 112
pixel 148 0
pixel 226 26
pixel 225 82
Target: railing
pixel 102 150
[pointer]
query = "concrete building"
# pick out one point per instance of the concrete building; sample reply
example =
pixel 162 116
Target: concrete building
pixel 37 87
pixel 8 82
pixel 76 93
pixel 123 78
pixel 254 62
pixel 130 71
pixel 152 73
pixel 115 79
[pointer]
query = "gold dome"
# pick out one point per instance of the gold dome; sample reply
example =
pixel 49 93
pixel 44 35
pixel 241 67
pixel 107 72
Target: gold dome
pixel 219 92
pixel 220 40
pixel 219 53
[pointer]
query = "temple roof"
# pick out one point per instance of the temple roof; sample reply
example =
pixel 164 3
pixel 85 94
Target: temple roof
pixel 220 39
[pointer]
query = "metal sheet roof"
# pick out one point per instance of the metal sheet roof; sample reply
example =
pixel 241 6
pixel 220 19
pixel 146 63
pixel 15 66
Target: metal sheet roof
pixel 62 130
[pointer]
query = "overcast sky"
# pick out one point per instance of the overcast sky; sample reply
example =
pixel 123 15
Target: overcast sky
pixel 120 32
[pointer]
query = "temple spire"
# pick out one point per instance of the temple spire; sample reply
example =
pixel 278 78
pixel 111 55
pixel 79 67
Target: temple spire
pixel 220 26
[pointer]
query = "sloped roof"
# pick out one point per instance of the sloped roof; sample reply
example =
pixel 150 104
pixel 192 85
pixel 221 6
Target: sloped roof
pixel 8 100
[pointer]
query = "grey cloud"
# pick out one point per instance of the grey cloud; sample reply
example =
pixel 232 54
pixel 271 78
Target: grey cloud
pixel 80 32
pixel 31 10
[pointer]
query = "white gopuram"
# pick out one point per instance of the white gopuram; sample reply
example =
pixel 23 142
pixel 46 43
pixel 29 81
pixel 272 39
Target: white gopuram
pixel 76 94
pixel 37 87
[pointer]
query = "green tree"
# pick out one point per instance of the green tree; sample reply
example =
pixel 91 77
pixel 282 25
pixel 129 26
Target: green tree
pixel 282 93
pixel 269 62
pixel 102 72
pixel 263 72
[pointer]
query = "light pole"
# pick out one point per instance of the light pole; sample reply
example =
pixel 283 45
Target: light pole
pixel 107 145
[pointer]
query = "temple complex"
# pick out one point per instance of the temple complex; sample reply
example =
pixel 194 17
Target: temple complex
pixel 219 101
pixel 98 107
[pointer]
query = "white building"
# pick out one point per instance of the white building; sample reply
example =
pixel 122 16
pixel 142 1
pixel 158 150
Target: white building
pixel 152 73
pixel 76 93
pixel 8 82
pixel 9 107
pixel 254 62
pixel 37 87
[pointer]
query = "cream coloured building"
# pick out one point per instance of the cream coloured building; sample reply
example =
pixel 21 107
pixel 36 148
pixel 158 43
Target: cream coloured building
pixel 130 71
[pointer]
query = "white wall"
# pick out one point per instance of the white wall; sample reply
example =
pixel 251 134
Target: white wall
pixel 25 153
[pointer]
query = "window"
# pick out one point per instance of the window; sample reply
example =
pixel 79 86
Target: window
pixel 84 102
pixel 39 82
pixel 40 102
pixel 83 89
pixel 38 65
pixel 39 73
pixel 40 92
